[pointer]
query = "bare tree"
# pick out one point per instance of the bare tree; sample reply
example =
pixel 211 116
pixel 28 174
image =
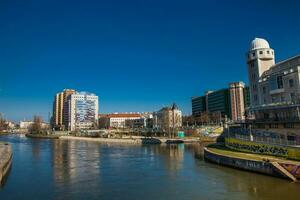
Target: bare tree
pixel 36 127
pixel 3 124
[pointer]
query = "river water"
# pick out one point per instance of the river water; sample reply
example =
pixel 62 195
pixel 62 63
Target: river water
pixel 59 169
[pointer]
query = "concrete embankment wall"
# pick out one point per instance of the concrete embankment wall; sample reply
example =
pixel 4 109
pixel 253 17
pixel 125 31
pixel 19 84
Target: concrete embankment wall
pixel 133 140
pixel 108 140
pixel 5 160
pixel 244 164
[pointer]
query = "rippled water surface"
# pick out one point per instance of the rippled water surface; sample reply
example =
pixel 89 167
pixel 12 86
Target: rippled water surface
pixel 57 169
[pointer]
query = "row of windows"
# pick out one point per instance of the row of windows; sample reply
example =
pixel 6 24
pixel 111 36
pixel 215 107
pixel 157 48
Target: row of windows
pixel 285 125
pixel 261 52
pixel 279 84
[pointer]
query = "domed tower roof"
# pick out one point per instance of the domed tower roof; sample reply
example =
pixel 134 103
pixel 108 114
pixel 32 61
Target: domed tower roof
pixel 259 43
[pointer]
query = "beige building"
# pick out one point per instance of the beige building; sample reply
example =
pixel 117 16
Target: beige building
pixel 237 102
pixel 269 82
pixel 167 119
pixel 274 92
pixel 118 120
pixel 60 111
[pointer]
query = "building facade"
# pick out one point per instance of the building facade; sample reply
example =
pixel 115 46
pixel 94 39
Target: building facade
pixel 198 105
pixel 60 109
pixel 226 103
pixel 167 119
pixel 237 101
pixel 119 120
pixel 274 96
pixel 219 101
pixel 83 110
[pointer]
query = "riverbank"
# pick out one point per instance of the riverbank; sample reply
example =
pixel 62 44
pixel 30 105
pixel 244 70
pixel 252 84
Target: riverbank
pixel 133 140
pixel 269 165
pixel 5 160
pixel 39 136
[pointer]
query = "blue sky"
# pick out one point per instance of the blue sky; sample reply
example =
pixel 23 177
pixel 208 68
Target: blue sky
pixel 135 55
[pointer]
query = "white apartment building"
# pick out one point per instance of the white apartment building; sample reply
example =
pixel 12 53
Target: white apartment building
pixel 82 111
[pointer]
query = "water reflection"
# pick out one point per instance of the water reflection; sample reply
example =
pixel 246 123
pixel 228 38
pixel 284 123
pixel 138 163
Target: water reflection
pixel 58 169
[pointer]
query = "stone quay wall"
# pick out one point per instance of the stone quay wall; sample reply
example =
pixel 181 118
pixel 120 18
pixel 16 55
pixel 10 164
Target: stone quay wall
pixel 5 160
pixel 244 164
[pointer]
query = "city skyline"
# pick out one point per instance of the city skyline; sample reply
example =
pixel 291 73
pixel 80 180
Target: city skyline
pixel 136 56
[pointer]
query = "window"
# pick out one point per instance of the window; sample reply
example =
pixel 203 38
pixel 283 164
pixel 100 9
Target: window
pixel 279 82
pixel 268 52
pixel 260 52
pixel 264 90
pixel 292 96
pixel 253 54
pixel 291 82
pixel 255 97
pixel 288 125
pixel 273 125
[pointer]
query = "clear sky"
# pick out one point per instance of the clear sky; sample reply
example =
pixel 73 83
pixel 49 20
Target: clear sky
pixel 135 55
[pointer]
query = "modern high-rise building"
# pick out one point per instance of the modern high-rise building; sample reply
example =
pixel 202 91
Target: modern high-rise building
pixel 237 101
pixel 59 117
pixel 82 111
pixel 218 101
pixel 228 102
pixel 198 105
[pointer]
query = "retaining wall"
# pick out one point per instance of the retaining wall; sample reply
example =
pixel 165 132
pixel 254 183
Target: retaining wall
pixel 5 160
pixel 244 164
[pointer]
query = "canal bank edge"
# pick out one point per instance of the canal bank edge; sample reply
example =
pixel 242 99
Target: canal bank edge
pixel 5 160
pixel 39 136
pixel 133 140
pixel 258 166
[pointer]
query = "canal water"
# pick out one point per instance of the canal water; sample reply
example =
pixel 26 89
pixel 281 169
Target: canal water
pixel 58 169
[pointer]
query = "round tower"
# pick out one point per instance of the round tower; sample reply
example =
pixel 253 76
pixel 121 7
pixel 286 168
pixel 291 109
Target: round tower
pixel 260 58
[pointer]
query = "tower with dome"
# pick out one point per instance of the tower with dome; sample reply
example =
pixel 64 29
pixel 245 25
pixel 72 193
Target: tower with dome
pixel 260 58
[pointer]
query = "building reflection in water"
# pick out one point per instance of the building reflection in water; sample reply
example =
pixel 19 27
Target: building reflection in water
pixel 75 162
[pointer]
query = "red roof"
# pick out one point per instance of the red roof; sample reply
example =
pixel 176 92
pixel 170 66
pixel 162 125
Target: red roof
pixel 121 115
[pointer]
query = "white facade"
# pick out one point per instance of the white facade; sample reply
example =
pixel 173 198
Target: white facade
pixel 28 124
pixel 269 82
pixel 119 120
pixel 260 58
pixel 82 111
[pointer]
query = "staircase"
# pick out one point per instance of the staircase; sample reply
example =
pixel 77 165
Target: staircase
pixel 283 171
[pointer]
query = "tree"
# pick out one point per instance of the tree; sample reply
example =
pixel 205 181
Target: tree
pixel 3 124
pixel 36 127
